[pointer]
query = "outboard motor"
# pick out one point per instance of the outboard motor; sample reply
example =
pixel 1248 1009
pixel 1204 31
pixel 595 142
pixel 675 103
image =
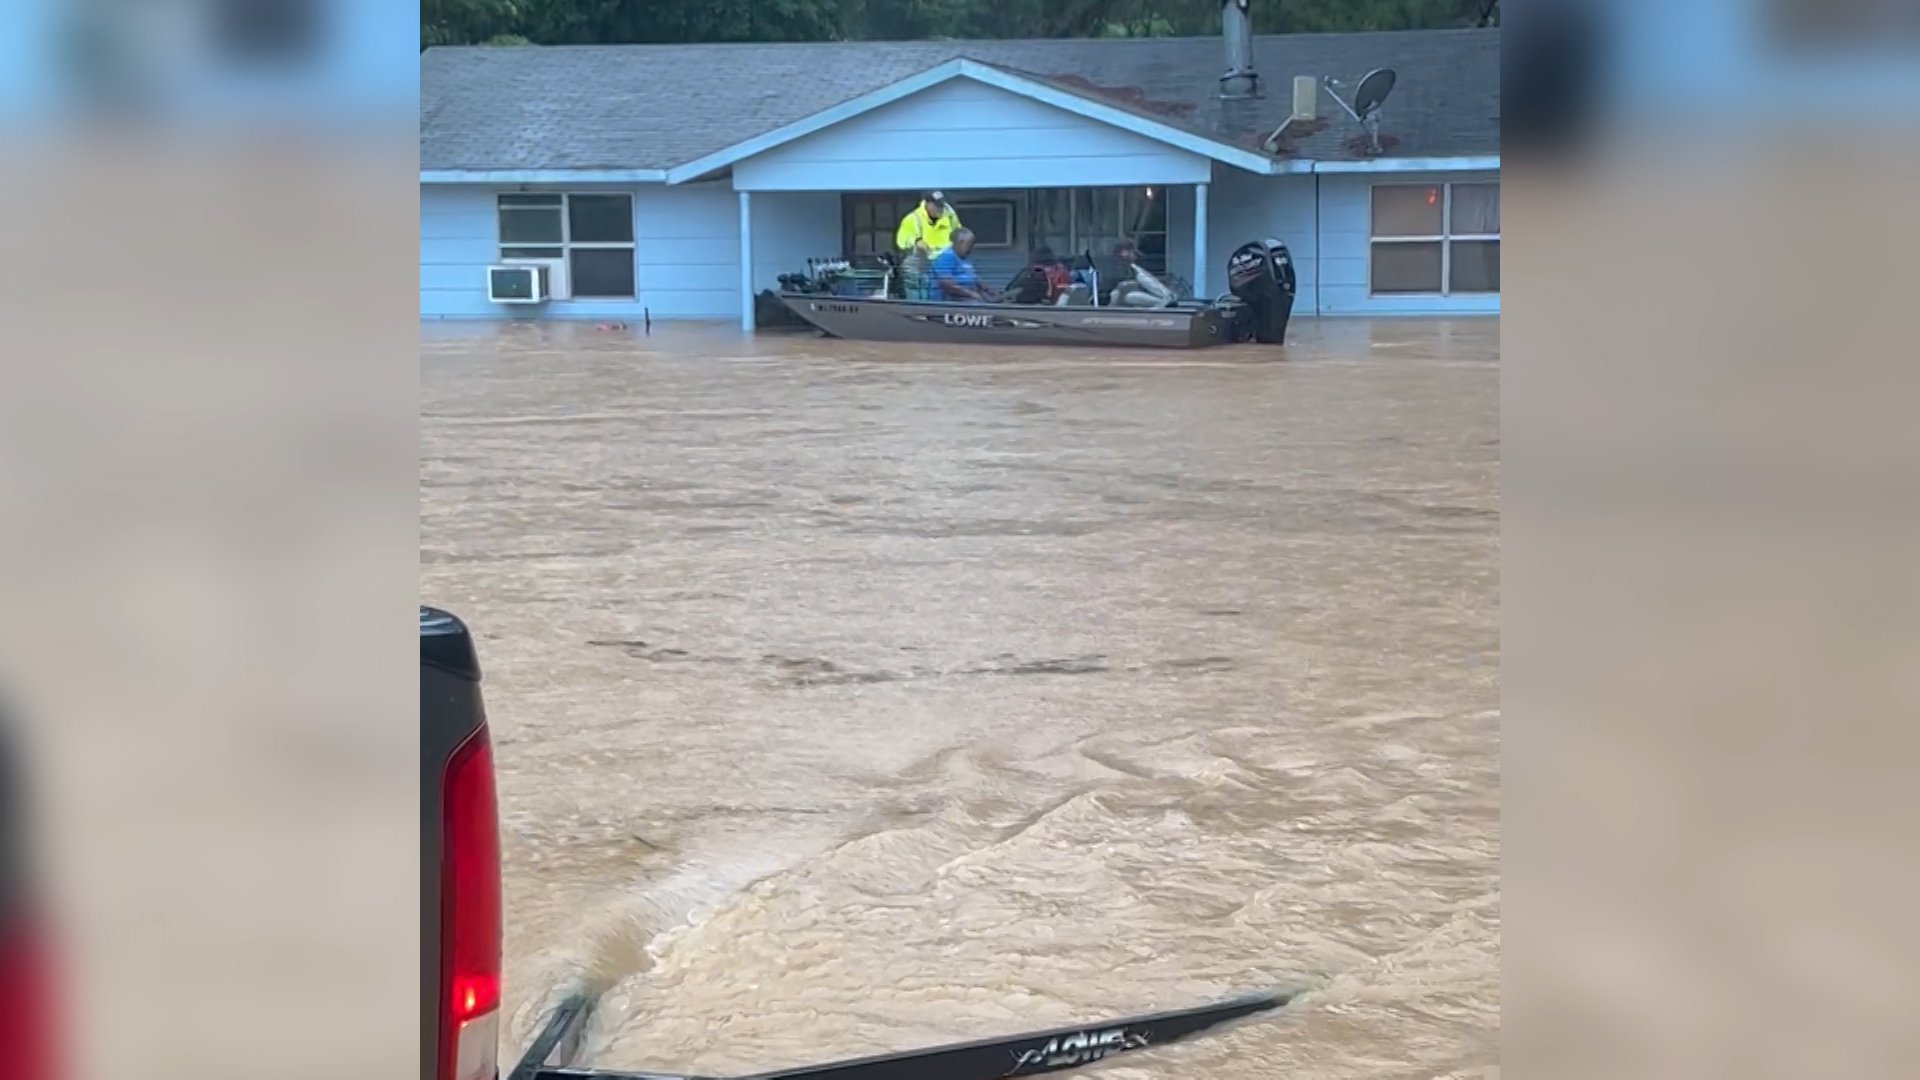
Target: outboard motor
pixel 1260 273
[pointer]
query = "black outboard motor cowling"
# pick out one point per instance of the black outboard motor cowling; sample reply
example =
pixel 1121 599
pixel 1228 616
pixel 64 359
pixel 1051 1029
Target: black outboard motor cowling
pixel 1260 273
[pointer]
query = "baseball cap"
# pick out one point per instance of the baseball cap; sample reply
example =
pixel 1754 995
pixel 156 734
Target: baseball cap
pixel 937 196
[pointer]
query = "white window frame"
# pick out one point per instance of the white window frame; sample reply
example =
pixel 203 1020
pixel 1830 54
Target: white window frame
pixel 1444 238
pixel 567 243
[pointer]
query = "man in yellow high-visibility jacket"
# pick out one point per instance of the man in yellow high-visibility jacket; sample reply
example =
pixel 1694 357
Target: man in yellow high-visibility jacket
pixel 928 227
pixel 924 232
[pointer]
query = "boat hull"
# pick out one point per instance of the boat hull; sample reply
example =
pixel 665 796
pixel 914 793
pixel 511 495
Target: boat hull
pixel 933 322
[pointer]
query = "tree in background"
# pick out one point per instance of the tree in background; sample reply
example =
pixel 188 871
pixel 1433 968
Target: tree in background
pixel 571 22
pixel 608 22
pixel 465 22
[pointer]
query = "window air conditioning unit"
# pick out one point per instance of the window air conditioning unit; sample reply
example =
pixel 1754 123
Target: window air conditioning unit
pixel 521 283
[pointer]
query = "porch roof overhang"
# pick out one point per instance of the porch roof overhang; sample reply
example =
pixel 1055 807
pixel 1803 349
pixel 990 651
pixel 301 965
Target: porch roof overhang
pixel 1480 163
pixel 1273 167
pixel 543 176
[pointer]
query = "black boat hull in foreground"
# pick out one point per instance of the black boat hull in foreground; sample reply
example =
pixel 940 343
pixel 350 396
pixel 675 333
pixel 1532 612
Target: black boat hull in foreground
pixel 988 1059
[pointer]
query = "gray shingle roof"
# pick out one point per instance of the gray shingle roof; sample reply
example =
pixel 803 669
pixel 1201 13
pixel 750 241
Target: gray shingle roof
pixel 659 106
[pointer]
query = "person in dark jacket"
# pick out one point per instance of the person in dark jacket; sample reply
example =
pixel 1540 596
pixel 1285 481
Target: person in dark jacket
pixel 1042 280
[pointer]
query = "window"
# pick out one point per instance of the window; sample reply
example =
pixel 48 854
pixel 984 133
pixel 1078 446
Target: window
pixel 991 221
pixel 1076 220
pixel 592 234
pixel 1143 216
pixel 1068 220
pixel 873 220
pixel 1436 238
pixel 1050 221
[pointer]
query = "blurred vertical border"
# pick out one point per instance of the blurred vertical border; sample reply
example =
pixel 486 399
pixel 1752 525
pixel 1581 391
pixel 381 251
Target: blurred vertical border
pixel 1708 583
pixel 208 535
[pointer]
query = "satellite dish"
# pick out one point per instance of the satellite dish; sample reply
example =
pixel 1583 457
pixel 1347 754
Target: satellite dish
pixel 1368 96
pixel 1372 91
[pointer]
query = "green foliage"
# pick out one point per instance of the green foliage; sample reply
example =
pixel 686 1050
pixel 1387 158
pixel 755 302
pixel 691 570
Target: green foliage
pixel 465 22
pixel 905 20
pixel 558 22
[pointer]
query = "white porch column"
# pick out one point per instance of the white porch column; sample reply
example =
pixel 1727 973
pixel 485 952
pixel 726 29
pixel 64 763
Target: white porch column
pixel 1200 241
pixel 746 261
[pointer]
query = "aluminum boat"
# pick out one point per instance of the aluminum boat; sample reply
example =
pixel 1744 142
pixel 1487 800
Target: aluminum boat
pixel 867 304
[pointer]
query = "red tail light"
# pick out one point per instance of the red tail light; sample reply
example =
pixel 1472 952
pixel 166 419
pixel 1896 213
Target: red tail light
pixel 26 1002
pixel 470 915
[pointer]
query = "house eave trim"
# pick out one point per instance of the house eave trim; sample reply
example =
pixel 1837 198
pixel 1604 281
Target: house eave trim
pixel 1484 163
pixel 543 176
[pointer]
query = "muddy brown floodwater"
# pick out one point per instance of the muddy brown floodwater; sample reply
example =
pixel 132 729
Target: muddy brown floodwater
pixel 848 700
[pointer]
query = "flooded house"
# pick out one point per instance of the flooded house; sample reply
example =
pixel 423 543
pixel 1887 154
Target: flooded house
pixel 601 182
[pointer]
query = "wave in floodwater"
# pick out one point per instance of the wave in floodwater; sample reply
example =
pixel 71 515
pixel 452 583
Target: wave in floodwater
pixel 846 705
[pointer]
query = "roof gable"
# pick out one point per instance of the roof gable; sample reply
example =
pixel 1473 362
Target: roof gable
pixel 969 134
pixel 965 69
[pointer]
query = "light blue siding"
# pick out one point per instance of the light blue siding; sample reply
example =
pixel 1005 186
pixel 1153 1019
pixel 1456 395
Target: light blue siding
pixel 1243 207
pixel 459 237
pixel 1325 221
pixel 965 134
pixel 788 229
pixel 1346 215
pixel 686 254
pixel 443 278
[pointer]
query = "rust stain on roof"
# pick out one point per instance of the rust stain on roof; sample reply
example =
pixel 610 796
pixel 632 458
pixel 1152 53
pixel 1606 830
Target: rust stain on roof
pixel 1362 147
pixel 1131 95
pixel 1287 146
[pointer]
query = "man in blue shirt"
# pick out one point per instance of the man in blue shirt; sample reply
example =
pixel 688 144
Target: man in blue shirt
pixel 953 275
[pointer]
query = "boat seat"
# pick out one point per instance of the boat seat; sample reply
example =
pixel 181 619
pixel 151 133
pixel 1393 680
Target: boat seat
pixel 1029 286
